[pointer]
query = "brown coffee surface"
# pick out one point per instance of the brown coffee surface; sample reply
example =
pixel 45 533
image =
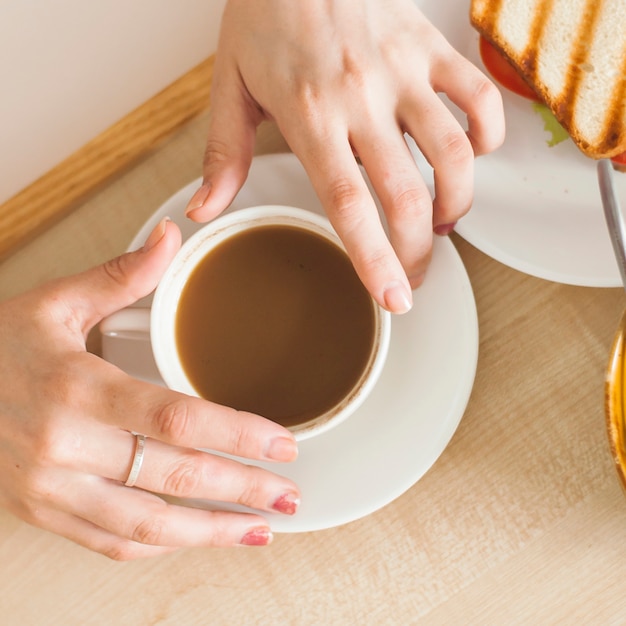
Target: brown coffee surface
pixel 275 321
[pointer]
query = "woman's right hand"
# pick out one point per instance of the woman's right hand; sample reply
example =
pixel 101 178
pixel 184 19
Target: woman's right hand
pixel 67 418
pixel 353 77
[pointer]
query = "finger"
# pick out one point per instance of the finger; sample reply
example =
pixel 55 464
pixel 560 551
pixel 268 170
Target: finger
pixel 105 395
pixel 97 539
pixel 190 473
pixel 337 179
pixel 106 288
pixel 448 150
pixel 403 194
pixel 144 518
pixel 178 419
pixel 50 514
pixel 477 96
pixel 230 143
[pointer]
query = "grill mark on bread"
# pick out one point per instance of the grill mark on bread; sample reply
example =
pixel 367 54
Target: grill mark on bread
pixel 493 13
pixel 607 136
pixel 566 103
pixel 614 126
pixel 489 17
pixel 529 56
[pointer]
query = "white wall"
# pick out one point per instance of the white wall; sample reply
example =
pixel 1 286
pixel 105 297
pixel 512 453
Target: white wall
pixel 71 68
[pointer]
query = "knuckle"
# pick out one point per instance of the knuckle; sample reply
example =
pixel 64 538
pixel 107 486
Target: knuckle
pixel 219 532
pixel 184 479
pixel 52 443
pixel 216 151
pixel 410 202
pixel 172 421
pixel 309 100
pixel 122 550
pixel 54 306
pixel 34 485
pixel 353 71
pixel 456 147
pixel 220 538
pixel 311 93
pixel 488 110
pixel 63 382
pixel 52 448
pixel 239 436
pixel 373 262
pixel 116 271
pixel 486 94
pixel 148 530
pixel 344 199
pixel 49 451
pixel 249 490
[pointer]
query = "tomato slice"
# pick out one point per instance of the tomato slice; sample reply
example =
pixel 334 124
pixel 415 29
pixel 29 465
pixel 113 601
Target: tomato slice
pixel 504 72
pixel 619 160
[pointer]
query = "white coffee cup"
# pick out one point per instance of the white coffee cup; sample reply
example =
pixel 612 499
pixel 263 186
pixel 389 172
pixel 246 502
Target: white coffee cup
pixel 158 323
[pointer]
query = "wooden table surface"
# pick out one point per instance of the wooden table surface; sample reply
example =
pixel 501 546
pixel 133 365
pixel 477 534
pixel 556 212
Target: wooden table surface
pixel 522 519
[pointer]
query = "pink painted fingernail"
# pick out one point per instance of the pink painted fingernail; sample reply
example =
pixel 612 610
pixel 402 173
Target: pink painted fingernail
pixel 396 297
pixel 444 229
pixel 282 449
pixel 198 199
pixel 261 536
pixel 287 503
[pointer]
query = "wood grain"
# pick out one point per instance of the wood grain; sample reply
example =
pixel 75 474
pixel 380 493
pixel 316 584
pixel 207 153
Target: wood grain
pixel 60 190
pixel 522 520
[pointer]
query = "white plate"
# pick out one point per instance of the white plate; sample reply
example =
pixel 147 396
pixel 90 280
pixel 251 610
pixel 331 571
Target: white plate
pixel 403 427
pixel 536 208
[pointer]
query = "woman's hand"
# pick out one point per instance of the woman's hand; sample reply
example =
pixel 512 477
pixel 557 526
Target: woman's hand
pixel 66 418
pixel 350 77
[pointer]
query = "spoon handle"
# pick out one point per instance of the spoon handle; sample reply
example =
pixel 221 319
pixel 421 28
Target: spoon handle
pixel 613 214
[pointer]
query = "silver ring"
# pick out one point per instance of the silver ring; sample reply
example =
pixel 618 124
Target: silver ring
pixel 140 447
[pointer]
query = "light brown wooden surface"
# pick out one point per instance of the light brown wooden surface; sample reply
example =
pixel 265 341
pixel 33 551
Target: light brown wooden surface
pixel 521 520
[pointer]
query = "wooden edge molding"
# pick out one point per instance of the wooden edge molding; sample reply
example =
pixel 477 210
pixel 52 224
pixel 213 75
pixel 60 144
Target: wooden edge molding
pixel 59 191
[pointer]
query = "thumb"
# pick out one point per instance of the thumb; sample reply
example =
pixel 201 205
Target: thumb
pixel 233 121
pixel 120 282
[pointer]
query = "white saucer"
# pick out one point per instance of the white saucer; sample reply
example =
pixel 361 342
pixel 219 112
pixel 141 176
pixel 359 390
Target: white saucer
pixel 403 427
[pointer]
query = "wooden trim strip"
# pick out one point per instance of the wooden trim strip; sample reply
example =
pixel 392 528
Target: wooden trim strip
pixel 59 191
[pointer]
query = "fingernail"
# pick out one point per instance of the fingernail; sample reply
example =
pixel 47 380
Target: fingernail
pixel 444 229
pixel 282 449
pixel 198 199
pixel 156 235
pixel 288 503
pixel 261 536
pixel 396 297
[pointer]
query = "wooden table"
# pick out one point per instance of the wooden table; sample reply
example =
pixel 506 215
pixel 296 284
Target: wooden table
pixel 521 521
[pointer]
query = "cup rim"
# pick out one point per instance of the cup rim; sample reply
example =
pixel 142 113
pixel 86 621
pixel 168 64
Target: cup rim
pixel 168 292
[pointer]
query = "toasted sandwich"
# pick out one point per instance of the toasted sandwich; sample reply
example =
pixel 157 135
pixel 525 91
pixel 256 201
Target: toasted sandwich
pixel 572 53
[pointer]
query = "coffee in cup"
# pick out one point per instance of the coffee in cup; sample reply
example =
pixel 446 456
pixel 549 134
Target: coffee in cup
pixel 261 310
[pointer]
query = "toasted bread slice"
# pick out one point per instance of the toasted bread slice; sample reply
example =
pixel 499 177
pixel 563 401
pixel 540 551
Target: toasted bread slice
pixel 573 54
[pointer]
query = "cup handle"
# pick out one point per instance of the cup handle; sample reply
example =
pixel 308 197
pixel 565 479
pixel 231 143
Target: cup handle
pixel 127 324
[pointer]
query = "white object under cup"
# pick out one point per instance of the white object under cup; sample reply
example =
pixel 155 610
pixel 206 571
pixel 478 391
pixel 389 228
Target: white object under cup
pixel 158 323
